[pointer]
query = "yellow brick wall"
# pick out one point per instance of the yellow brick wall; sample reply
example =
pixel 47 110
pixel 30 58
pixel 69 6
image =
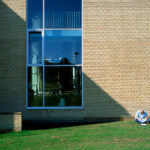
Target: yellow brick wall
pixel 116 54
pixel 10 122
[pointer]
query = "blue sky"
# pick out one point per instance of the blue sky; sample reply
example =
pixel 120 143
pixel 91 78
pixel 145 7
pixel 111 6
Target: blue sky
pixel 63 44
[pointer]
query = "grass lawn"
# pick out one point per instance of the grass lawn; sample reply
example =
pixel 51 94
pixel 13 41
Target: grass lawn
pixel 104 136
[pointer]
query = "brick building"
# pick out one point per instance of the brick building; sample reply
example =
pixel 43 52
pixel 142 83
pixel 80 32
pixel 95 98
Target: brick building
pixel 84 61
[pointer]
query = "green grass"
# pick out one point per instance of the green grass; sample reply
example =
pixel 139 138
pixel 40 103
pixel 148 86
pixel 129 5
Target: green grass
pixel 104 136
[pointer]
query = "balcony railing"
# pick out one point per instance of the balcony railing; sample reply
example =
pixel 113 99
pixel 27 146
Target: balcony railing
pixel 55 20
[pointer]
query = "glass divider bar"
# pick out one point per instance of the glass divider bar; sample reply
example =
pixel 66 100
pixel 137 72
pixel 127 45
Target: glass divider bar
pixel 43 86
pixel 43 66
pixel 27 68
pixel 43 50
pixel 43 14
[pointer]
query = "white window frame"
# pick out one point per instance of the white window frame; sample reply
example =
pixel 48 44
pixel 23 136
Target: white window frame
pixel 43 65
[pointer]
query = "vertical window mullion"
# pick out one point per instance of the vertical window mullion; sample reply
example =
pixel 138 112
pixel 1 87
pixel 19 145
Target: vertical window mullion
pixel 43 65
pixel 82 64
pixel 27 61
pixel 43 14
pixel 42 47
pixel 43 86
pixel 43 52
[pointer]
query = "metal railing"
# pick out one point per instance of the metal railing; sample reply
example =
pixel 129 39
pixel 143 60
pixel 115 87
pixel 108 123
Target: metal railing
pixel 55 20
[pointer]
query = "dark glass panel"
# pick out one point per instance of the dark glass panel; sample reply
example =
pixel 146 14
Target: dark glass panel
pixel 35 86
pixel 63 86
pixel 63 47
pixel 63 13
pixel 35 14
pixel 35 48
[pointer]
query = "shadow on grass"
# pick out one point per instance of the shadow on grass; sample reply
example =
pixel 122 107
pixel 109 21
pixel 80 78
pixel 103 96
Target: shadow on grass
pixel 36 125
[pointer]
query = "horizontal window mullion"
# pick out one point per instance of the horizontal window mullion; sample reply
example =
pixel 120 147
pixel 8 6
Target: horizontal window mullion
pixel 65 107
pixel 30 65
pixel 34 30
pixel 62 65
pixel 63 29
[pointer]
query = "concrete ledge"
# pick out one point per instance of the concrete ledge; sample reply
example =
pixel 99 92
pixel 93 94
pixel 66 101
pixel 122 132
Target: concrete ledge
pixel 10 122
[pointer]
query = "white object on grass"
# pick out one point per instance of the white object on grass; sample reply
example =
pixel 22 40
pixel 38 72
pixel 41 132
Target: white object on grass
pixel 143 124
pixel 143 120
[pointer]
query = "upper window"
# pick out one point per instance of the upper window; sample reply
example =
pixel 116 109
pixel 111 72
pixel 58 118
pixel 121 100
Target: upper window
pixel 35 14
pixel 56 14
pixel 54 54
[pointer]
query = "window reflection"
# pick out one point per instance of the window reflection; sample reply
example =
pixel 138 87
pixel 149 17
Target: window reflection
pixel 63 86
pixel 35 14
pixel 63 47
pixel 35 48
pixel 66 14
pixel 35 86
pixel 61 52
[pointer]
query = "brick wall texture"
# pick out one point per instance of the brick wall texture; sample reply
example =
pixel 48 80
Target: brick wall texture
pixel 10 122
pixel 116 60
pixel 12 55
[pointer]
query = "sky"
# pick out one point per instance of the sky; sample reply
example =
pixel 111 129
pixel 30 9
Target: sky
pixel 63 44
pixel 58 44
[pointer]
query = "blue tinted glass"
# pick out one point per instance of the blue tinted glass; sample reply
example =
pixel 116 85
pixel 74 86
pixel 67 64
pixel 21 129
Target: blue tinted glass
pixel 63 47
pixel 35 48
pixel 63 86
pixel 63 13
pixel 35 14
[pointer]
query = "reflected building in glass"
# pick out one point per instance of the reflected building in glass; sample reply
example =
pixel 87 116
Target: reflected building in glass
pixel 63 47
pixel 54 54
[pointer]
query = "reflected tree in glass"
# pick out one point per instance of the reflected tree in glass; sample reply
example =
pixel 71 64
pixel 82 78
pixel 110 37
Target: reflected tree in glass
pixel 63 47
pixel 63 86
pixel 35 48
pixel 35 14
pixel 35 86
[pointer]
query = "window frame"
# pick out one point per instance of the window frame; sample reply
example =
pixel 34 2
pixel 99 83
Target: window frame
pixel 28 30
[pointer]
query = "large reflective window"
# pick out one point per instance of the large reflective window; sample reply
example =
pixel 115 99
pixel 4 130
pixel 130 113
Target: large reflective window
pixel 35 14
pixel 54 53
pixel 63 86
pixel 63 13
pixel 35 86
pixel 63 47
pixel 35 48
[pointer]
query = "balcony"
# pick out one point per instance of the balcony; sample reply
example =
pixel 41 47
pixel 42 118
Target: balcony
pixel 55 20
